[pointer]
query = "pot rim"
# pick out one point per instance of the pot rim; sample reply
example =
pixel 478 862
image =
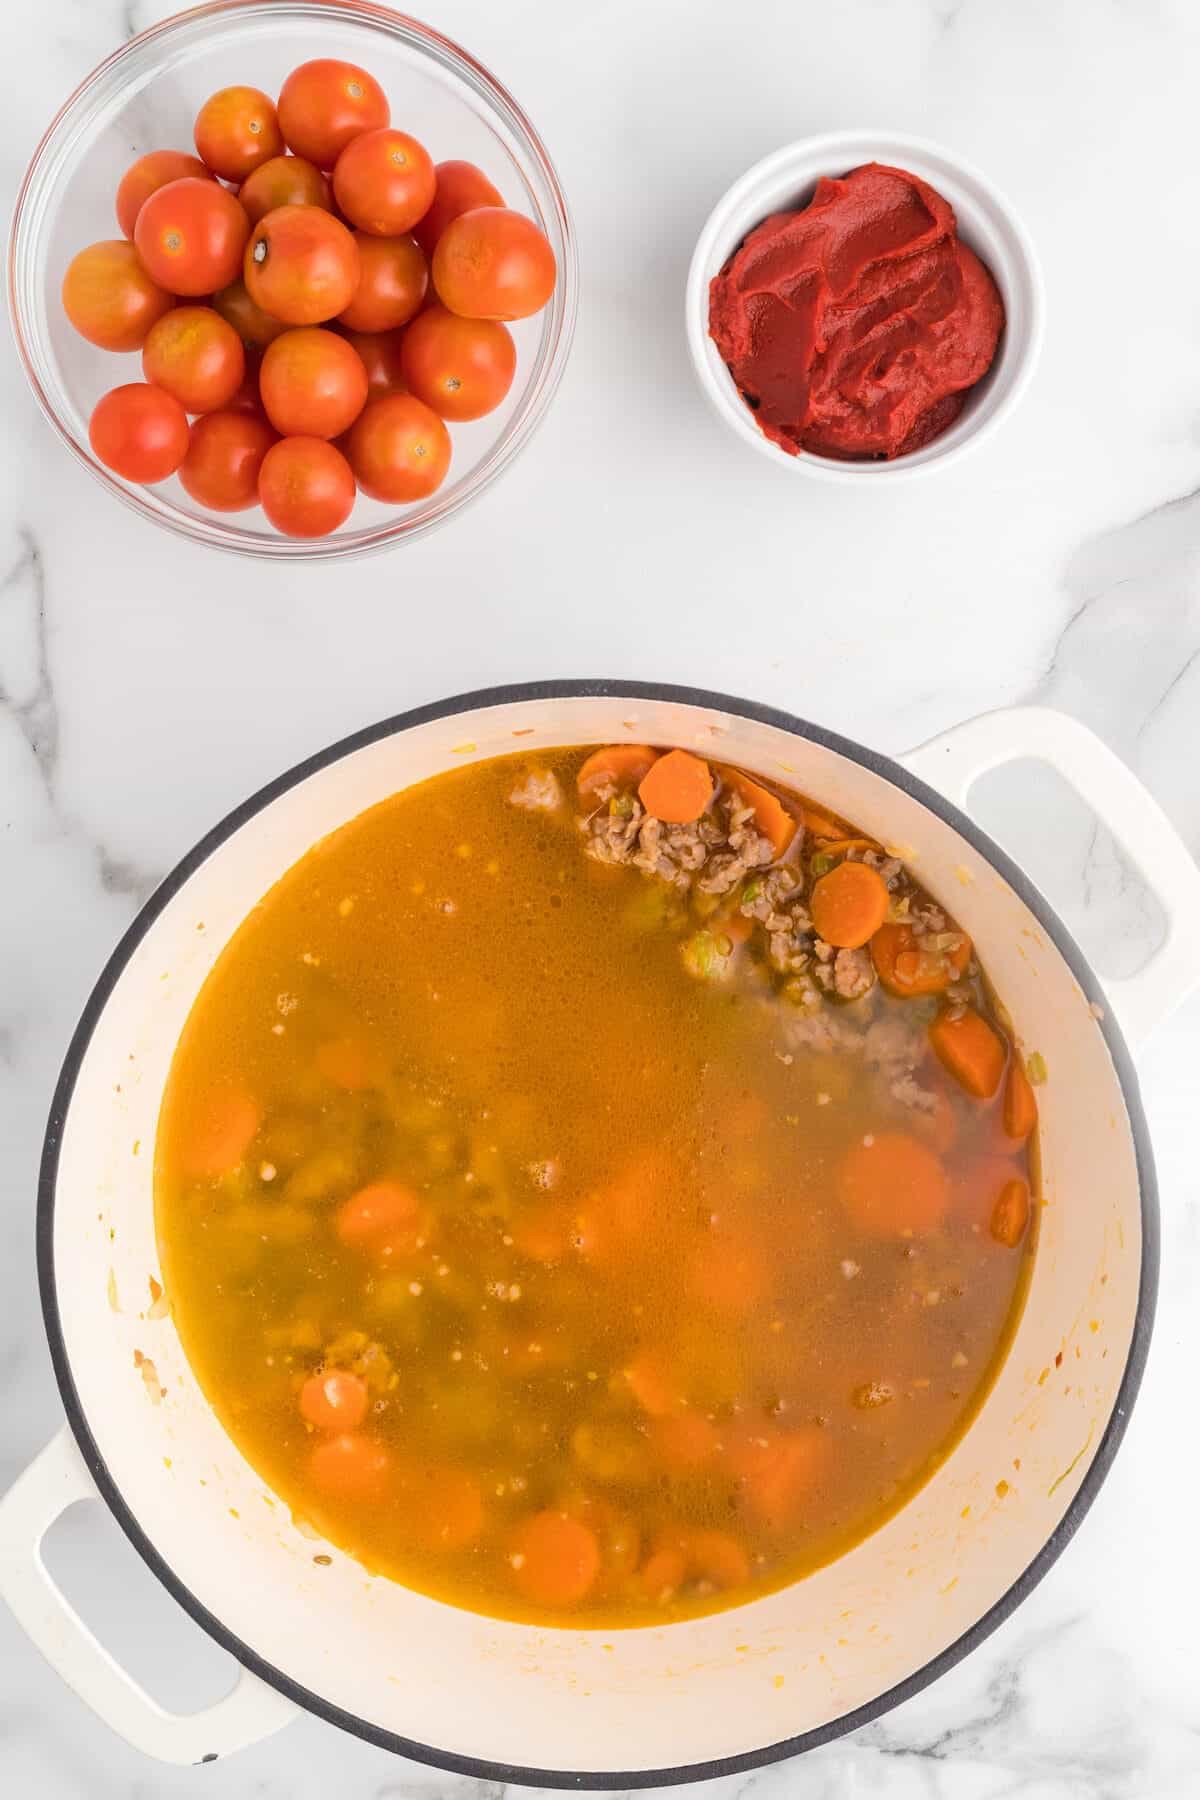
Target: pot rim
pixel 877 763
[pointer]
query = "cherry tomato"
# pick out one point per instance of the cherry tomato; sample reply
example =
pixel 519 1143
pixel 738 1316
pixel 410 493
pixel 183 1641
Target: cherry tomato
pixel 147 175
pixel 379 353
pixel 325 103
pixel 301 265
pixel 224 458
pixel 196 355
pixel 399 449
pixel 334 1400
pixel 190 234
pixel 306 487
pixel 236 130
pixel 312 383
pixel 140 431
pixel 384 181
pixel 284 181
pixel 110 299
pixel 255 327
pixel 491 263
pixel 393 277
pixel 460 188
pixel 462 368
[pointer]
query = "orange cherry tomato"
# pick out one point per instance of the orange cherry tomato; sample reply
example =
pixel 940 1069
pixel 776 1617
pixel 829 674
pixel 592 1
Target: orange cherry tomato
pixel 460 188
pixel 384 182
pixel 147 175
pixel 306 487
pixel 139 431
pixel 352 1468
pixel 393 276
pixel 284 181
pixel 110 299
pixel 312 383
pixel 399 449
pixel 462 368
pixel 301 265
pixel 191 234
pixel 196 355
pixel 237 129
pixel 325 103
pixel 224 458
pixel 491 263
pixel 255 327
pixel 379 352
pixel 334 1400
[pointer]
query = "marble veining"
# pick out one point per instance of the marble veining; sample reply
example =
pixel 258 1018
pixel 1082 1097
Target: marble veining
pixel 146 687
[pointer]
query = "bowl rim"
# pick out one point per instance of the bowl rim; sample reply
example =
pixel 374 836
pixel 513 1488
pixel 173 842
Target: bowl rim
pixel 219 530
pixel 537 692
pixel 847 148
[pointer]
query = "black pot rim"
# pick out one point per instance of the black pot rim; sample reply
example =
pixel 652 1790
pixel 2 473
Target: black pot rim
pixel 708 1769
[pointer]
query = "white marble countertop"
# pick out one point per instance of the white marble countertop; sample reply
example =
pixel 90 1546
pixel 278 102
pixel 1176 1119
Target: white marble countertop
pixel 146 687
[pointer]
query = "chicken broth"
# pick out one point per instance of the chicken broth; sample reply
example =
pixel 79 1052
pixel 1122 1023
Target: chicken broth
pixel 595 1190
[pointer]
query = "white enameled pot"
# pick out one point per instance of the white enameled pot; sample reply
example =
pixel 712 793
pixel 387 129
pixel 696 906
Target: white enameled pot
pixel 571 1707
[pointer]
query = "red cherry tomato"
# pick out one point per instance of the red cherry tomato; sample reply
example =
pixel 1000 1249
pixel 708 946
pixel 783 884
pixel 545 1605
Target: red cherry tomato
pixel 224 458
pixel 306 487
pixel 110 299
pixel 384 181
pixel 191 234
pixel 236 130
pixel 284 181
pixel 139 431
pixel 393 276
pixel 462 368
pixel 196 355
pixel 493 264
pixel 325 103
pixel 312 383
pixel 399 449
pixel 379 353
pixel 147 175
pixel 301 265
pixel 460 188
pixel 255 327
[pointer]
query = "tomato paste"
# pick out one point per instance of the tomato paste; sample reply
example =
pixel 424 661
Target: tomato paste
pixel 855 325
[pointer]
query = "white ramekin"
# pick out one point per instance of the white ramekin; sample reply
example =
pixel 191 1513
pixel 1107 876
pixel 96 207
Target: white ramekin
pixel 987 223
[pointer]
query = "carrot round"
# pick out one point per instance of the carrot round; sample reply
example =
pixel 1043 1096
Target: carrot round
pixel 222 1131
pixel 345 1063
pixel 718 1557
pixel 555 1559
pixel 677 788
pixel 684 1441
pixel 334 1400
pixel 385 1218
pixel 908 968
pixel 350 1468
pixel 771 817
pixel 967 1046
pixel 728 1274
pixel 849 905
pixel 618 765
pixel 892 1185
pixel 1010 1215
pixel 1020 1107
pixel 652 1384
pixel 449 1508
pixel 774 1474
pixel 664 1571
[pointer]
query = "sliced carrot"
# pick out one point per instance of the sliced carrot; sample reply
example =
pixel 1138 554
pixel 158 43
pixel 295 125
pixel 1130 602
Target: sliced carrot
pixel 685 1441
pixel 222 1130
pixel 385 1218
pixel 555 1559
pixel 346 1063
pixel 892 1185
pixel 908 967
pixel 610 1227
pixel 1010 1215
pixel 1020 1106
pixel 776 1473
pixel 350 1467
pixel 718 1557
pixel 771 817
pixel 448 1507
pixel 334 1400
pixel 664 1571
pixel 849 905
pixel 650 1381
pixel 728 1273
pixel 822 825
pixel 967 1046
pixel 677 789
pixel 616 765
pixel 543 1234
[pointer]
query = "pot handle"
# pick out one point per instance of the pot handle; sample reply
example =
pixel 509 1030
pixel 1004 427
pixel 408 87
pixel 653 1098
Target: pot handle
pixel 51 1483
pixel 953 763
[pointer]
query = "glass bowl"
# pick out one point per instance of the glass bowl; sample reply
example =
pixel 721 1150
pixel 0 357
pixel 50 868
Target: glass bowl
pixel 145 97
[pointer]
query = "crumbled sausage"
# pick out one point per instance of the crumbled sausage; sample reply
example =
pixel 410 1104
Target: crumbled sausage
pixel 538 792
